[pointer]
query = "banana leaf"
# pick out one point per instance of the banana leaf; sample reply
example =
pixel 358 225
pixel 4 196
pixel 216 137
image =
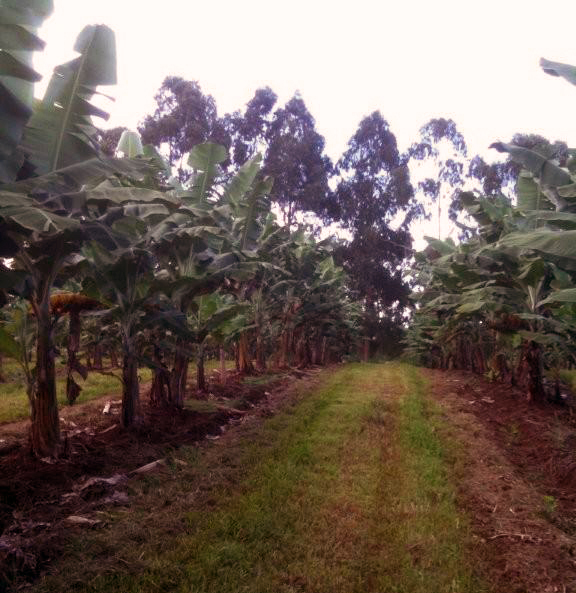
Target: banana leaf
pixel 548 172
pixel 61 133
pixel 19 21
pixel 566 71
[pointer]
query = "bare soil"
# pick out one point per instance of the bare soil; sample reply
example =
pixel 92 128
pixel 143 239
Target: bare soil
pixel 517 481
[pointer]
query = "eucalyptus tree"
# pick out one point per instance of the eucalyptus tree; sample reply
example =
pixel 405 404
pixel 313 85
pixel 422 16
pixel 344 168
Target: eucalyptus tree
pixel 184 117
pixel 443 147
pixel 376 204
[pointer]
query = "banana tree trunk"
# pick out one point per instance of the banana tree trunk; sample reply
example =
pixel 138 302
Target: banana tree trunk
pixel 97 358
pixel 366 350
pixel 501 368
pixel 244 361
pixel 130 387
pixel 178 379
pixel 479 361
pixel 236 357
pixel 530 375
pixel 200 371
pixel 324 351
pixel 72 388
pixel 222 366
pixel 160 389
pixel 45 425
pixel 302 351
pixel 285 344
pixel 260 354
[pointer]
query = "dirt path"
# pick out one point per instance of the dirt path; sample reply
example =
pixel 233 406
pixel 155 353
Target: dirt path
pixel 358 479
pixel 337 486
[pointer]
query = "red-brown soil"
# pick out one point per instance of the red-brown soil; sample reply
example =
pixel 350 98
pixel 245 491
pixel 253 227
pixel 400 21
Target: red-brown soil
pixel 516 477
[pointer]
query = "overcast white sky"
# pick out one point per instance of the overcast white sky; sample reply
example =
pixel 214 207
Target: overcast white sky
pixel 476 62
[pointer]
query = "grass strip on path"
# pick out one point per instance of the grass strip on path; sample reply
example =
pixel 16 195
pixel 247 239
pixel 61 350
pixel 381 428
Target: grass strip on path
pixel 345 492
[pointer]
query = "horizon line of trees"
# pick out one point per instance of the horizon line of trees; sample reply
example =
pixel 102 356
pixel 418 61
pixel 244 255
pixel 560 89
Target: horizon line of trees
pixel 373 193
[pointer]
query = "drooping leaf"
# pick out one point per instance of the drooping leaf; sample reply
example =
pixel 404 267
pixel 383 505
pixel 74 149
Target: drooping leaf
pixel 554 243
pixel 548 173
pixel 567 295
pixel 529 195
pixel 77 176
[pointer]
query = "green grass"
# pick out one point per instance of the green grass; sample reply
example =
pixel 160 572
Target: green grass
pixel 569 376
pixel 346 492
pixel 263 379
pixel 14 402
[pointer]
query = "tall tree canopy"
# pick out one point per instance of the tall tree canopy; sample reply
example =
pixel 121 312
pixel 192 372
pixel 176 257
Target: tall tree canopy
pixel 443 150
pixel 293 153
pixel 376 203
pixel 184 117
pixel 286 137
pixel 295 159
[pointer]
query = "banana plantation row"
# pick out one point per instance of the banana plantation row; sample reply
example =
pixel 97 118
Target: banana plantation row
pixel 503 303
pixel 166 270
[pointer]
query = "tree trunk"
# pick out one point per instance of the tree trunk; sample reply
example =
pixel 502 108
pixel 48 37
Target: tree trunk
pixel 97 362
pixel 73 364
pixel 260 355
pixel 530 371
pixel 244 361
pixel 324 351
pixel 200 373
pixel 222 366
pixel 130 388
pixel 479 362
pixel 285 343
pixel 113 358
pixel 366 350
pixel 2 376
pixel 160 389
pixel 236 357
pixel 178 379
pixel 45 426
pixel 501 368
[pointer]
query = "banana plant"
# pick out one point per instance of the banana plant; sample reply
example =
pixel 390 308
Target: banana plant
pixel 210 242
pixel 209 316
